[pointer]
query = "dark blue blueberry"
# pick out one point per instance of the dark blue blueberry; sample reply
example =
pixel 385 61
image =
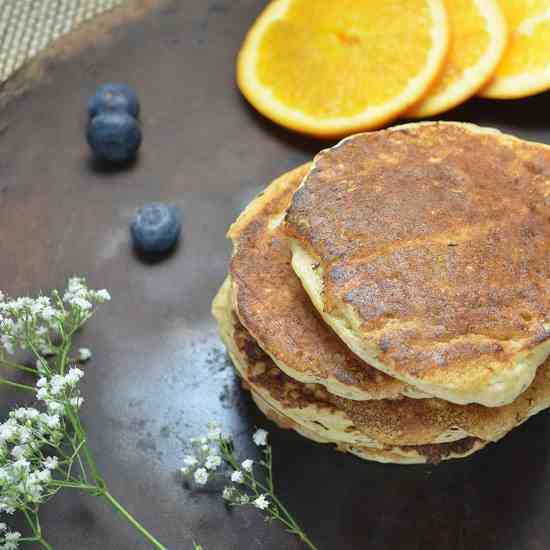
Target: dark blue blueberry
pixel 114 97
pixel 156 227
pixel 114 136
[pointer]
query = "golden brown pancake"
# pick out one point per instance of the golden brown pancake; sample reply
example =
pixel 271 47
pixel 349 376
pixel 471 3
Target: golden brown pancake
pixel 412 454
pixel 375 423
pixel 426 247
pixel 271 303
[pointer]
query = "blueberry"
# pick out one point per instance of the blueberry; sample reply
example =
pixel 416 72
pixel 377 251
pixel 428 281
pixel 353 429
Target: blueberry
pixel 156 227
pixel 114 136
pixel 114 97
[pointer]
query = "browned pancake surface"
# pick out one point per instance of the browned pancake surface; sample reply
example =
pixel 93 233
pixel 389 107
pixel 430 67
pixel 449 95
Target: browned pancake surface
pixel 272 304
pixel 402 422
pixel 434 234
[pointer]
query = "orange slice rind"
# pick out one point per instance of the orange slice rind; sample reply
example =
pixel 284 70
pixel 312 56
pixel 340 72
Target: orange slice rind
pixel 332 67
pixel 478 40
pixel 525 67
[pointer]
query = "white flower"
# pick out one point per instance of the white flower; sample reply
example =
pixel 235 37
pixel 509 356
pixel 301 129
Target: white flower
pixel 201 476
pixel 84 354
pixel 185 471
pixel 190 461
pixel 103 295
pixel 213 462
pixel 51 463
pixel 11 540
pixel 8 430
pixel 228 493
pixel 205 448
pixel 18 452
pixel 244 499
pixel 73 376
pixel 55 407
pixel 7 344
pixel 52 421
pixel 42 394
pixel 237 477
pixel 215 434
pixel 260 438
pixel 81 303
pixel 261 502
pixel 247 465
pixel 76 402
pixel 57 384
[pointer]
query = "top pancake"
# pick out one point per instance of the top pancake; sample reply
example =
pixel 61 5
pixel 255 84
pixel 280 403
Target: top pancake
pixel 426 248
pixel 272 304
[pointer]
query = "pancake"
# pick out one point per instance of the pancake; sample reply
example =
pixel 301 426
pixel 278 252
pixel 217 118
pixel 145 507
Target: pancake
pixel 426 248
pixel 271 303
pixel 374 423
pixel 421 454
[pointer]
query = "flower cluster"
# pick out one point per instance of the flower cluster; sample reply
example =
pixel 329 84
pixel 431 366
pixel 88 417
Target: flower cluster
pixel 60 390
pixel 23 466
pixel 205 462
pixel 36 323
pixel 25 470
pixel 35 442
pixel 251 482
pixel 10 538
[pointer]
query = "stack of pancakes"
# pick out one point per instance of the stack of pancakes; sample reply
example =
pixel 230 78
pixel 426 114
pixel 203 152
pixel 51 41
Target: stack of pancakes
pixel 393 296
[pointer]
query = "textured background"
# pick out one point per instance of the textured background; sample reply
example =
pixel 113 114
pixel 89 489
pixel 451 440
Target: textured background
pixel 28 26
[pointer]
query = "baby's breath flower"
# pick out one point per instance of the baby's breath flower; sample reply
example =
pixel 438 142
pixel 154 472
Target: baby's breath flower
pixel 103 295
pixel 261 502
pixel 76 402
pixel 247 482
pixel 190 460
pixel 84 354
pixel 215 434
pixel 228 493
pixel 260 438
pixel 247 465
pixel 11 540
pixel 237 477
pixel 213 462
pixel 243 499
pixel 201 476
pixel 51 463
pixel 73 376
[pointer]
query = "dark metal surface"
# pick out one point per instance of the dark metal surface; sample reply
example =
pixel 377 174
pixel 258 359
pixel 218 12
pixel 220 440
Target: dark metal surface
pixel 159 372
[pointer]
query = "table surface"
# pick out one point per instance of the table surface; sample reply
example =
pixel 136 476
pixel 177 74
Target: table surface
pixel 159 370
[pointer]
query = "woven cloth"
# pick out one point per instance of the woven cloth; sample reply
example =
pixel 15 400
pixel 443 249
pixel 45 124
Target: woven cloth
pixel 28 26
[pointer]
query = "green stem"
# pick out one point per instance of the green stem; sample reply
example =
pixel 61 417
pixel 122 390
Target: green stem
pixel 73 485
pixel 45 544
pixel 119 508
pixel 37 531
pixel 5 382
pixel 11 365
pixel 290 522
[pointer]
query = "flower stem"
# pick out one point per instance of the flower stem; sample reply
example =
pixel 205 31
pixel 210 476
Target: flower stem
pixel 11 365
pixel 119 508
pixel 45 544
pixel 5 382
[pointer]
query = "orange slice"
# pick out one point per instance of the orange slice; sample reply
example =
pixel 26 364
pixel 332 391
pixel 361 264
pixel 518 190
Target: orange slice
pixel 333 67
pixel 478 40
pixel 525 67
